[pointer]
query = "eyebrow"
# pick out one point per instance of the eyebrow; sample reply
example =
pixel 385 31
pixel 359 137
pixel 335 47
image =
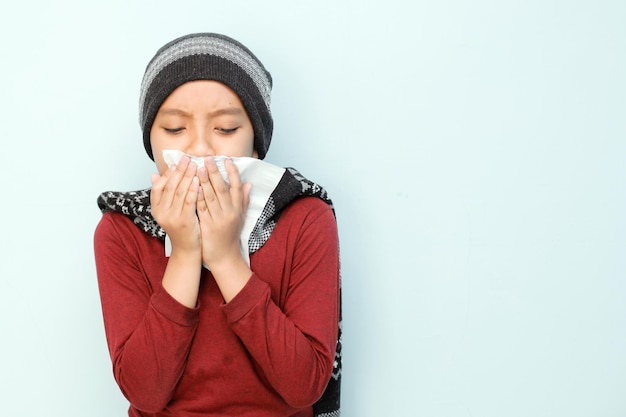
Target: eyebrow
pixel 173 112
pixel 233 111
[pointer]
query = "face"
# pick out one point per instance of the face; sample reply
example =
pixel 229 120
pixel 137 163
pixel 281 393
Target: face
pixel 202 118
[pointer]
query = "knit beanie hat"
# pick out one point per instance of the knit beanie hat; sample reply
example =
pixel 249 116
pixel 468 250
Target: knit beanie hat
pixel 208 56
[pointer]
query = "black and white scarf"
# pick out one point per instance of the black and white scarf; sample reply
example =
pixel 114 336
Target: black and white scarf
pixel 292 185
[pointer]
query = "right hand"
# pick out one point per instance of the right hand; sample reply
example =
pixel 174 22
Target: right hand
pixel 173 199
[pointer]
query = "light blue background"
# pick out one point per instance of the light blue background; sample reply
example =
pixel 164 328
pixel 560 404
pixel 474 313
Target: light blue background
pixel 474 150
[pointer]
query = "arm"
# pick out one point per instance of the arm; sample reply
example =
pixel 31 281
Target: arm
pixel 221 211
pixel 295 345
pixel 149 333
pixel 150 326
pixel 173 202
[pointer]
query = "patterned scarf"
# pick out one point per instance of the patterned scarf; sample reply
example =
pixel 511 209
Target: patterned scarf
pixel 136 206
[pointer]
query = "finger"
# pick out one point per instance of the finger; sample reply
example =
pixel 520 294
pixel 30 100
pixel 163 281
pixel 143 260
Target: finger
pixel 181 195
pixel 158 182
pixel 220 187
pixel 201 207
pixel 192 195
pixel 174 175
pixel 206 195
pixel 208 191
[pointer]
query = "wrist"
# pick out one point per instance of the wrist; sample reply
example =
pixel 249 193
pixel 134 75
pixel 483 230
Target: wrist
pixel 182 276
pixel 227 263
pixel 231 275
pixel 185 255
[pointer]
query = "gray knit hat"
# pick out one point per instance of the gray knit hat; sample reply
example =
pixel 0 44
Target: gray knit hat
pixel 208 56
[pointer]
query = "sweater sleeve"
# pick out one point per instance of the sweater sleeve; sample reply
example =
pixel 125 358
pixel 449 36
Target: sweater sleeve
pixel 295 345
pixel 149 334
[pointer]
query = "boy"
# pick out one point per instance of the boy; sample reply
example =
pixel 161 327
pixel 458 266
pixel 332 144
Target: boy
pixel 196 324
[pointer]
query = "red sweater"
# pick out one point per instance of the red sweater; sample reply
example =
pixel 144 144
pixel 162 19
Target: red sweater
pixel 269 352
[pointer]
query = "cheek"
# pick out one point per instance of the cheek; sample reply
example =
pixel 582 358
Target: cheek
pixel 160 163
pixel 157 153
pixel 155 144
pixel 252 152
pixel 162 167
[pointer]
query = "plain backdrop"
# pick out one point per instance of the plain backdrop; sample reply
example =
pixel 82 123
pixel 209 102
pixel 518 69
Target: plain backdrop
pixel 475 152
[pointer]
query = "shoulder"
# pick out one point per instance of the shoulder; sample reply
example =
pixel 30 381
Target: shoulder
pixel 306 214
pixel 307 217
pixel 115 230
pixel 307 208
pixel 117 237
pixel 112 223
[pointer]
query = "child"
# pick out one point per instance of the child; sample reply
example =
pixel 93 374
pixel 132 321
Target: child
pixel 196 323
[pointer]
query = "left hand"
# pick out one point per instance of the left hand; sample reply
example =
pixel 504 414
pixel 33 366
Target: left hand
pixel 221 211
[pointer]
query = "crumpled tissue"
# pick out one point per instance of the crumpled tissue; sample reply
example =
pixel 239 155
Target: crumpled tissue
pixel 263 176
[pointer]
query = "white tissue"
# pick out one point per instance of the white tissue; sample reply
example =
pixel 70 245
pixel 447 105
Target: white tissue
pixel 263 176
pixel 172 157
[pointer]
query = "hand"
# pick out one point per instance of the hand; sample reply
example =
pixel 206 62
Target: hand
pixel 221 211
pixel 173 199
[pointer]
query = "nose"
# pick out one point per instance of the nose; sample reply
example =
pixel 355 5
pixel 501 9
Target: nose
pixel 199 143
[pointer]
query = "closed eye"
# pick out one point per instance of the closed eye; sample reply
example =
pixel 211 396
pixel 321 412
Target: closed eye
pixel 227 131
pixel 174 130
